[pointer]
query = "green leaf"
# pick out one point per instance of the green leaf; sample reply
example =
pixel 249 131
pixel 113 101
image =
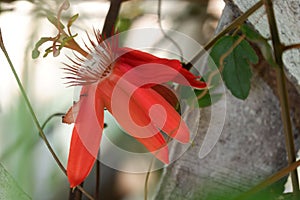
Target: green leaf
pixel 287 196
pixel 190 95
pixel 208 99
pixel 9 189
pixel 261 42
pixel 213 78
pixel 236 72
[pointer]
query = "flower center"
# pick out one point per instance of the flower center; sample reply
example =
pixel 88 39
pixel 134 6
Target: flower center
pixel 95 67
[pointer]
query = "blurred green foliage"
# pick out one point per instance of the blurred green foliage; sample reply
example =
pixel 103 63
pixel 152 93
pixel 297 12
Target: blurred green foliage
pixel 9 189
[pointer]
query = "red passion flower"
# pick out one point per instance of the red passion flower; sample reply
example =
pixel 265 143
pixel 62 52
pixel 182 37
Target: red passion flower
pixel 128 83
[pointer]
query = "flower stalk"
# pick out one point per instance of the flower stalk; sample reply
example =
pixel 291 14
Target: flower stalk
pixel 282 91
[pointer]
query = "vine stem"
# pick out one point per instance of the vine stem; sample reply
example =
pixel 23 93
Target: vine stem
pixel 159 7
pixel 282 91
pixel 97 188
pixel 238 21
pixel 35 120
pixel 147 179
pixel 51 117
pixel 39 127
pixel 272 179
pixel 292 46
pixel 221 67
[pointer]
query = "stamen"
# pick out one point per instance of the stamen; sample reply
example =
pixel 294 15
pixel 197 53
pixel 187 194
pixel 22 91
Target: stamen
pixel 93 68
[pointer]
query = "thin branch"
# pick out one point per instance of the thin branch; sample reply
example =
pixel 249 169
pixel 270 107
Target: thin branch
pixel 75 193
pixel 237 22
pixel 272 179
pixel 148 178
pixel 97 189
pixel 292 46
pixel 51 117
pixel 30 108
pixel 27 101
pixel 163 31
pixel 282 91
pixel 111 18
pixel 85 192
pixel 146 185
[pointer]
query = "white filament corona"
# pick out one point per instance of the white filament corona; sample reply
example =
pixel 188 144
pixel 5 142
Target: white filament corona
pixel 94 67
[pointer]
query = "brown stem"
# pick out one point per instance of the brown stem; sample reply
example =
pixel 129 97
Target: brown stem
pixel 111 18
pixel 282 91
pixel 85 192
pixel 97 189
pixel 292 46
pixel 147 179
pixel 238 21
pixel 75 194
pixel 272 179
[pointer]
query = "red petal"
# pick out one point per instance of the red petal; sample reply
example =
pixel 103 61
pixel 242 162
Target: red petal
pixel 168 94
pixel 140 129
pixel 193 80
pixel 80 161
pixel 135 57
pixel 86 135
pixel 155 74
pixel 164 116
pixel 132 107
pixel 156 145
